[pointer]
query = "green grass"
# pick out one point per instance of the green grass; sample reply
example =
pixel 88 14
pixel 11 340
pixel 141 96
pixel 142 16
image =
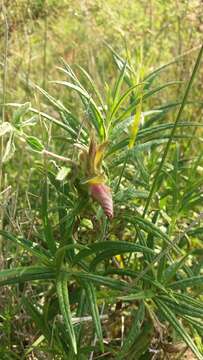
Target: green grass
pixel 76 284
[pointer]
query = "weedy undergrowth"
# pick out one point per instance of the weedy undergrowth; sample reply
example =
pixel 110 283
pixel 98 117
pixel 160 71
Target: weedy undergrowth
pixel 110 239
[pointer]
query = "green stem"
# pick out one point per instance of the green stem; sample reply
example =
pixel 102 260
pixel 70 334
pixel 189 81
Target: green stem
pixel 5 59
pixel 3 110
pixel 122 171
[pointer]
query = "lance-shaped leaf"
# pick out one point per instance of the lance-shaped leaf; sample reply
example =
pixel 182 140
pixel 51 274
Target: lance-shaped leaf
pixel 64 304
pixel 92 300
pixel 168 314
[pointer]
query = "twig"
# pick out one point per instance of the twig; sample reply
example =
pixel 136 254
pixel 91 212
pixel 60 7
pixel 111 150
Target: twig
pixel 58 157
pixel 77 320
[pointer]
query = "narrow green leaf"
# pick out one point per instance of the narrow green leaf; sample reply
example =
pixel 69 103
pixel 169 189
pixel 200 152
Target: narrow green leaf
pixel 117 87
pixel 92 300
pixel 142 342
pixel 109 253
pixel 140 295
pixel 64 304
pixel 198 325
pixel 134 128
pixel 34 143
pixel 51 119
pixel 22 274
pixel 171 318
pixel 57 104
pixel 117 105
pixel 188 282
pixel 110 247
pixel 47 228
pixel 135 274
pixel 98 120
pixel 149 227
pixel 30 246
pixel 100 280
pixel 181 307
pixel 91 81
pixel 130 109
pixel 172 269
pixel 131 338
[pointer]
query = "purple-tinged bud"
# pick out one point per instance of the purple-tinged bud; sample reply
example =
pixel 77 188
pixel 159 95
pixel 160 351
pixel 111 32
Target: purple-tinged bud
pixel 102 194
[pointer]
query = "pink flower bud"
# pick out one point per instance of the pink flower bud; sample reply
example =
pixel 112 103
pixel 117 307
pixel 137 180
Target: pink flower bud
pixel 102 194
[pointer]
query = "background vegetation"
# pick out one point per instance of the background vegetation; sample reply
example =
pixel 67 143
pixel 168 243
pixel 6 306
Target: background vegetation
pixel 74 284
